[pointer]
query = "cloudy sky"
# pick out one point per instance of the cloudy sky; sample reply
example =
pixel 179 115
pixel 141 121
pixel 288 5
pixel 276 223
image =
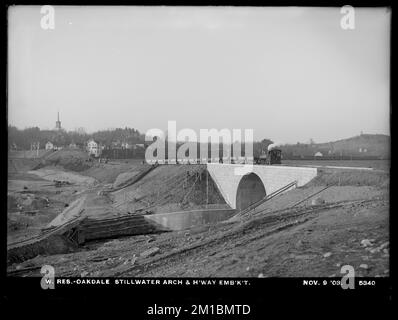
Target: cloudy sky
pixel 290 74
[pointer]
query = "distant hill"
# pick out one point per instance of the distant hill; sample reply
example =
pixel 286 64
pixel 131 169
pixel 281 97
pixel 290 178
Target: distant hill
pixel 375 146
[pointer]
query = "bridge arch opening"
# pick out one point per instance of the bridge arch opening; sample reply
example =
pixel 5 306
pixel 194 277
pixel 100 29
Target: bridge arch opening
pixel 250 190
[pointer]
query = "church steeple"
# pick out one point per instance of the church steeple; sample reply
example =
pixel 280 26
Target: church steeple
pixel 58 123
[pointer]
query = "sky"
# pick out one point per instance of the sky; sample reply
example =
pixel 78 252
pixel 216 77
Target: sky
pixel 290 74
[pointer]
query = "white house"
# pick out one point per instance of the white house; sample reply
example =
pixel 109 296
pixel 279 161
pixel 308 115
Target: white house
pixel 126 145
pixel 49 146
pixel 93 148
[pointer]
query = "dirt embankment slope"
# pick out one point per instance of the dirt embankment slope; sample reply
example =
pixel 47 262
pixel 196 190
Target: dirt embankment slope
pixel 69 159
pixel 170 188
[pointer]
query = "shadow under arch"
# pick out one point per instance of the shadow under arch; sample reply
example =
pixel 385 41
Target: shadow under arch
pixel 250 190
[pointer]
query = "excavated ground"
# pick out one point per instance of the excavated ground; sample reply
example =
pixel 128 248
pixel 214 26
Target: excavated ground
pixel 274 240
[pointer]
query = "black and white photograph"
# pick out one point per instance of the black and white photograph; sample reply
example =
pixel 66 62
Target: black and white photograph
pixel 194 143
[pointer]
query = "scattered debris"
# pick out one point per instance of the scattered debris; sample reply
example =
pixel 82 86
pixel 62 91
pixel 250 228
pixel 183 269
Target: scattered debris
pixel 150 252
pixel 151 239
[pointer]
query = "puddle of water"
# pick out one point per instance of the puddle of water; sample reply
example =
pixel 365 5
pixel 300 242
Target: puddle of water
pixel 189 219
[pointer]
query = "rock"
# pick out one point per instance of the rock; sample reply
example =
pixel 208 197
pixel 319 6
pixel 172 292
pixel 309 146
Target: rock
pixel 327 254
pixel 385 251
pixel 364 266
pixel 84 274
pixel 150 252
pixel 332 275
pixel 260 275
pixel 338 265
pixel 248 269
pixel 366 242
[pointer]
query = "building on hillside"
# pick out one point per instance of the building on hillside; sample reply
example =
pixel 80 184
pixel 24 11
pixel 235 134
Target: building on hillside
pixel 14 147
pixel 50 146
pixel 318 155
pixel 126 145
pixel 93 148
pixel 73 145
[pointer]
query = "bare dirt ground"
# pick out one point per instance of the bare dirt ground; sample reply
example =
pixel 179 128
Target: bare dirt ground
pixel 315 243
pixel 351 226
pixel 307 241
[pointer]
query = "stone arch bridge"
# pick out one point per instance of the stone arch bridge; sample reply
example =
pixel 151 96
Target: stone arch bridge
pixel 242 185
